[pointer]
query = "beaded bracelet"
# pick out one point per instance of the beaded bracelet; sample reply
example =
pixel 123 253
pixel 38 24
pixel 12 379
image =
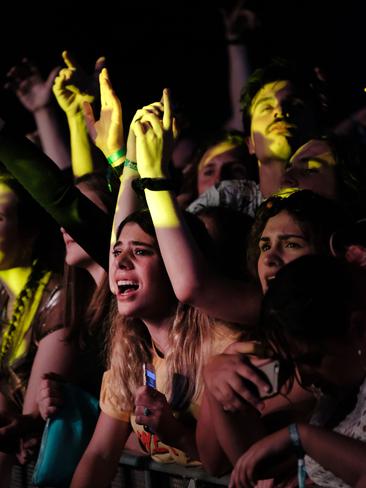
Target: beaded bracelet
pixel 130 164
pixel 116 155
pixel 300 453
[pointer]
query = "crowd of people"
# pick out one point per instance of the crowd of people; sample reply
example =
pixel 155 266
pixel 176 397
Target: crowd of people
pixel 251 254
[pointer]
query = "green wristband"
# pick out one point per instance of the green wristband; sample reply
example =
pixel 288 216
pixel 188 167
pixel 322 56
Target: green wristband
pixel 130 164
pixel 116 155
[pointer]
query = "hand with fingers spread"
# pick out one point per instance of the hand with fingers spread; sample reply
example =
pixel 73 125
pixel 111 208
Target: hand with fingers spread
pixel 73 87
pixel 50 397
pixel 234 380
pixel 32 90
pixel 107 132
pixel 153 410
pixel 154 140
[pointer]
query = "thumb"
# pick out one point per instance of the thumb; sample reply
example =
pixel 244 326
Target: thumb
pixel 51 77
pixel 100 63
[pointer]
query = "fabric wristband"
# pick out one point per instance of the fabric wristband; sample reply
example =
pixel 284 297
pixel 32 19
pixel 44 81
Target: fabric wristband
pixel 116 155
pixel 130 164
pixel 300 453
pixel 153 184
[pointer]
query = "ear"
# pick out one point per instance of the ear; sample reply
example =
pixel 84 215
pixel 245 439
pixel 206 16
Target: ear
pixel 250 145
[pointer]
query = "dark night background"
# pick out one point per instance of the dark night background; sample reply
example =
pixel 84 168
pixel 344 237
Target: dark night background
pixel 181 45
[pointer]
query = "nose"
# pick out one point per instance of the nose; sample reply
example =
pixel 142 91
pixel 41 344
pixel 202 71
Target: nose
pixel 124 260
pixel 273 258
pixel 289 179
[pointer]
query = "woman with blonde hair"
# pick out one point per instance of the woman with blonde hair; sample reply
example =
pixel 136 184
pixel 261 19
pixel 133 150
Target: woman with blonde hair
pixel 151 327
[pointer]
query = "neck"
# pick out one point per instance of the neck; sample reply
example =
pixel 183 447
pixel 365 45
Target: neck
pixel 159 331
pixel 270 176
pixel 14 279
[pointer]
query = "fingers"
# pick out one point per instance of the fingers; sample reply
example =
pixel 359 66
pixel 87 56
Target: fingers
pixel 49 398
pixel 154 121
pixel 53 376
pixel 70 61
pixel 100 63
pixel 167 116
pixel 51 77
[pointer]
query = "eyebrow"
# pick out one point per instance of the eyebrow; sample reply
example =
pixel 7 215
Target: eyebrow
pixel 262 100
pixel 283 237
pixel 306 159
pixel 136 243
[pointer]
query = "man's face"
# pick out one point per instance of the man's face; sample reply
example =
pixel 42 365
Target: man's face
pixel 280 122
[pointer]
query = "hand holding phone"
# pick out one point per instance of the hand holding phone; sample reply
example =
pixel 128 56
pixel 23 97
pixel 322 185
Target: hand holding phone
pixel 149 379
pixel 271 370
pixel 149 375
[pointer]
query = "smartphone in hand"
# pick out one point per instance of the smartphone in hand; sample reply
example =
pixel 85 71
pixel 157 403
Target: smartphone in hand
pixel 149 379
pixel 149 375
pixel 271 370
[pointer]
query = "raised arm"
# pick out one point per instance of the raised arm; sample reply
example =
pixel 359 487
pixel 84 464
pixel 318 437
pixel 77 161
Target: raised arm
pixel 35 94
pixel 82 219
pixel 72 88
pixel 194 280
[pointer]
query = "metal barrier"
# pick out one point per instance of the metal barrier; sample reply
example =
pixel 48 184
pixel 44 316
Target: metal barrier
pixel 140 471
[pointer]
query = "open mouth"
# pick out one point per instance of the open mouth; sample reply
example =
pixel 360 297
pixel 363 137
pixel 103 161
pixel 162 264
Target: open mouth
pixel 270 278
pixel 126 287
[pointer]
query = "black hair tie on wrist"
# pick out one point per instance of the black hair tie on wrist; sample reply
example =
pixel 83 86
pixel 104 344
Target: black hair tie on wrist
pixel 153 184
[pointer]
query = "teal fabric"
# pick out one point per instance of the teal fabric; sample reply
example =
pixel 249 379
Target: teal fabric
pixel 65 438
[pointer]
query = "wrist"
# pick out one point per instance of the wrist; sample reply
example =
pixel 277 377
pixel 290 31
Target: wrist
pixel 43 108
pixel 116 156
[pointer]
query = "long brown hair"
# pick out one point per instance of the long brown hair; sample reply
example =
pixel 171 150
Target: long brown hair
pixel 130 345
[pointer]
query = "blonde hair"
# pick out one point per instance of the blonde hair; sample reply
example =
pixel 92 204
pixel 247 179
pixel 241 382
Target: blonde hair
pixel 191 338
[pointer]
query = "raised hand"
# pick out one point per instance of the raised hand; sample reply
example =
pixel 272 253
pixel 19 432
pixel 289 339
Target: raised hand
pixel 154 140
pixel 32 90
pixel 233 379
pixel 238 20
pixel 107 132
pixel 73 87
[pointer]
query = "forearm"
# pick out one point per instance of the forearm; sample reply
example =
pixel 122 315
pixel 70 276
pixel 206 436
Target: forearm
pixel 194 278
pixel 94 472
pixel 239 72
pixel 176 244
pixel 81 155
pixel 343 456
pixel 51 136
pixel 82 219
pixel 210 451
pixel 127 201
pixel 236 431
pixel 183 437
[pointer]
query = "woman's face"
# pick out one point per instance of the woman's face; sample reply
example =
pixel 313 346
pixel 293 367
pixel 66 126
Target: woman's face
pixel 281 242
pixel 140 282
pixel 329 365
pixel 14 250
pixel 221 162
pixel 312 167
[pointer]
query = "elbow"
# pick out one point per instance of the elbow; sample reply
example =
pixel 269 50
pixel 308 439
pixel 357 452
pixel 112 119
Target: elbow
pixel 187 293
